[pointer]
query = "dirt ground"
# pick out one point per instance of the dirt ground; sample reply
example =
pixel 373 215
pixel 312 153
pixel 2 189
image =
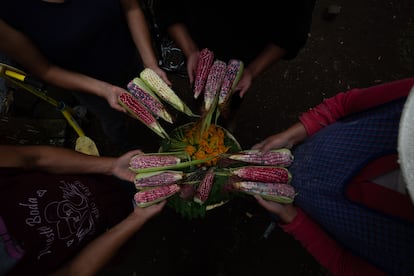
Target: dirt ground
pixel 369 42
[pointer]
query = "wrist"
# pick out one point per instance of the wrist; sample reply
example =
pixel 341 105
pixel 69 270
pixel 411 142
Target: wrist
pixel 288 215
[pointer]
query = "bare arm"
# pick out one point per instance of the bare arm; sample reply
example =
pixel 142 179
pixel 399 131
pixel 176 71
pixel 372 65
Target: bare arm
pixel 285 139
pixel 270 55
pixel 61 160
pixel 182 38
pixel 142 37
pixel 21 49
pixel 93 257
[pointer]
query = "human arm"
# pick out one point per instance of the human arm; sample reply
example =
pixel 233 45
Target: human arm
pixel 319 244
pixel 20 48
pixel 334 108
pixel 65 161
pixel 269 56
pixel 179 33
pixel 97 253
pixel 141 35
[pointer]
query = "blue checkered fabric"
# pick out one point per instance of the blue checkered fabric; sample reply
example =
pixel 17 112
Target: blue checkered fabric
pixel 327 162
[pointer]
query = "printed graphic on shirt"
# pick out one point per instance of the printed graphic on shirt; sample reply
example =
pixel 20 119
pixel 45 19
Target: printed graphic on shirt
pixel 10 251
pixel 67 220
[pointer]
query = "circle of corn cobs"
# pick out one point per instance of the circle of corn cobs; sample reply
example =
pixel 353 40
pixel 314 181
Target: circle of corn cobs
pixel 190 186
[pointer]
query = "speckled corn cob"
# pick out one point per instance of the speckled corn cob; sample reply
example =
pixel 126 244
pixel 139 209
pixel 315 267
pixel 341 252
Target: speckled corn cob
pixel 205 186
pixel 269 174
pixel 140 112
pixel 159 87
pixel 280 157
pixel 141 161
pixel 282 193
pixel 143 93
pixel 149 197
pixel 233 74
pixel 205 60
pixel 214 79
pixel 152 179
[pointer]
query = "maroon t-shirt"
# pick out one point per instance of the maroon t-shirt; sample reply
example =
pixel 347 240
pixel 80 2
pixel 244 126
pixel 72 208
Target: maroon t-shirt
pixel 45 218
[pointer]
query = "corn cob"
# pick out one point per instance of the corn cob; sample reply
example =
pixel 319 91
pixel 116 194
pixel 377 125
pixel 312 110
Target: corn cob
pixel 205 60
pixel 205 186
pixel 143 93
pixel 282 193
pixel 149 197
pixel 152 179
pixel 214 79
pixel 140 112
pixel 141 161
pixel 269 174
pixel 233 74
pixel 156 84
pixel 280 157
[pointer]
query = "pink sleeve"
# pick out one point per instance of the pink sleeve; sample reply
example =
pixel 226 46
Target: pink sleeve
pixel 325 250
pixel 352 101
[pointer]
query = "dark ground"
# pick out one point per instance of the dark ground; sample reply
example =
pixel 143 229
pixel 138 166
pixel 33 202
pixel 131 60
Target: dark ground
pixel 368 43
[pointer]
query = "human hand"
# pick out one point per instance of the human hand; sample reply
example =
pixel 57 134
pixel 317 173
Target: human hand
pixel 145 213
pixel 245 82
pixel 111 94
pixel 276 141
pixel 120 167
pixel 286 139
pixel 162 75
pixel 192 61
pixel 285 212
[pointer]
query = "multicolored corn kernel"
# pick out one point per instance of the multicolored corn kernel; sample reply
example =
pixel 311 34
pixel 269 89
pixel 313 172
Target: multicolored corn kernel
pixel 205 186
pixel 278 157
pixel 232 76
pixel 151 196
pixel 268 174
pixel 214 80
pixel 159 178
pixel 140 112
pixel 141 161
pixel 149 99
pixel 205 60
pixel 282 193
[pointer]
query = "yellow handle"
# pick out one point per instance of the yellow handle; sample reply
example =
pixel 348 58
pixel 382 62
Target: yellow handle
pixel 14 75
pixel 72 122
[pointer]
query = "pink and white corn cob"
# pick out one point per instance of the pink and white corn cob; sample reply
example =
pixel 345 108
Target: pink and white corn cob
pixel 140 112
pixel 233 74
pixel 213 83
pixel 143 93
pixel 205 186
pixel 149 197
pixel 268 174
pixel 159 178
pixel 141 161
pixel 205 60
pixel 282 193
pixel 280 157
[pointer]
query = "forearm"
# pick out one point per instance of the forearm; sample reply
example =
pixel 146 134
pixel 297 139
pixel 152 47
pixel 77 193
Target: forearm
pixel 54 160
pixel 182 38
pixel 93 257
pixel 352 101
pixel 18 47
pixel 140 32
pixel 270 55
